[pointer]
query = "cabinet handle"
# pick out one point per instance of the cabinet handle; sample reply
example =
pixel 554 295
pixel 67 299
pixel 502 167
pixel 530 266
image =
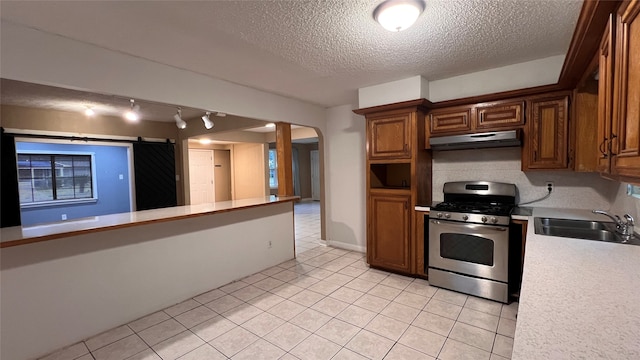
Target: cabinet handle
pixel 481 117
pixel 570 158
pixel 535 155
pixel 613 136
pixel 602 145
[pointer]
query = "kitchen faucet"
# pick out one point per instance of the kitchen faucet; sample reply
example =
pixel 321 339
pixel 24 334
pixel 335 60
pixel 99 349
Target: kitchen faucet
pixel 624 228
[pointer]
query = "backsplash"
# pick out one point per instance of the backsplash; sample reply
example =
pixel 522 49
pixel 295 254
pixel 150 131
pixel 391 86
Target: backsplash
pixel 571 189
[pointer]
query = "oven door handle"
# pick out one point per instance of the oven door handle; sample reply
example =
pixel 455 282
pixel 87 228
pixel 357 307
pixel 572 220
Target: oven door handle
pixel 469 226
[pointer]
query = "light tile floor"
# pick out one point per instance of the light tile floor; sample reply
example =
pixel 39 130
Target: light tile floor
pixel 325 304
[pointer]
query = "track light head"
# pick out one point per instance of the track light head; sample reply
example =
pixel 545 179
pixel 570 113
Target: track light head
pixel 181 124
pixel 133 114
pixel 207 122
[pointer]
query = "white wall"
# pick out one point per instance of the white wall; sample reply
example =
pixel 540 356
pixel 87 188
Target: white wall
pixel 571 189
pixel 512 77
pixel 345 182
pixel 58 292
pixel 249 175
pixel 412 88
pixel 38 57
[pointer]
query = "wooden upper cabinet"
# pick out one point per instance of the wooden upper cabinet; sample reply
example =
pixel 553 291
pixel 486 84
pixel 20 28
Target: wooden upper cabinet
pixel 450 120
pixel 547 134
pixel 627 91
pixel 389 137
pixel 605 135
pixel 499 115
pixel 389 230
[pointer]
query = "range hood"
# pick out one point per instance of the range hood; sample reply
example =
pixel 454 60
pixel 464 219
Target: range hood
pixel 476 141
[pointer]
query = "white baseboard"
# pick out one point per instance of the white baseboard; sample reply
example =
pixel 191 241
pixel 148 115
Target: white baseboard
pixel 346 246
pixel 323 242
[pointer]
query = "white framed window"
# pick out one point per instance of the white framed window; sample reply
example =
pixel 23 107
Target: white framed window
pixel 58 178
pixel 273 169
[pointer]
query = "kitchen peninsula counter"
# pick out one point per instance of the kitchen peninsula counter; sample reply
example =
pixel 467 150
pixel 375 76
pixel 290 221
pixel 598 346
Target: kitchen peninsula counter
pixel 579 298
pixel 102 272
pixel 21 235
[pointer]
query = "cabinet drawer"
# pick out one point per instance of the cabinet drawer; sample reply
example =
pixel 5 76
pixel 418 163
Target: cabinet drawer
pixel 508 115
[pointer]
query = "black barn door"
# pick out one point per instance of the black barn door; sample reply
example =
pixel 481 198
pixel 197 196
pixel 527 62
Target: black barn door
pixel 154 168
pixel 9 197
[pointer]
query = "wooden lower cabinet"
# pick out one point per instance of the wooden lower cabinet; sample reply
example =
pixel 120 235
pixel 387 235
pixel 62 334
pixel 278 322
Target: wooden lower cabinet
pixel 389 230
pixel 420 245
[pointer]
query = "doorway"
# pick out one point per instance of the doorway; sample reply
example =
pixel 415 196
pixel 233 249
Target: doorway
pixel 222 174
pixel 315 175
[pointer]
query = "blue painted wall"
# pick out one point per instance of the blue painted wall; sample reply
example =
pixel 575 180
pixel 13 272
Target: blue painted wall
pixel 113 193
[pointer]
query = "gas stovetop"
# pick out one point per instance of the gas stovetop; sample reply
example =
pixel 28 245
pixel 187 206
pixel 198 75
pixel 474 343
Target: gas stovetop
pixel 475 208
pixel 481 202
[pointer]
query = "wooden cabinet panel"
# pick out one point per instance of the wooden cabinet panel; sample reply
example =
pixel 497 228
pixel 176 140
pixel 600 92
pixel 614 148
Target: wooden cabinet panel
pixel 547 134
pixel 627 91
pixel 605 99
pixel 389 137
pixel 389 231
pixel 421 248
pixel 500 115
pixel 450 120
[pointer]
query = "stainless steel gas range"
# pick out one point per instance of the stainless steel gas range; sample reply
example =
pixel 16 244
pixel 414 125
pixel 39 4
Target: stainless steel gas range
pixel 469 239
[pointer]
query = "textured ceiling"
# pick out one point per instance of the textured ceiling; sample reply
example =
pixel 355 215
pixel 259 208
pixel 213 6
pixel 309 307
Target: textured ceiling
pixel 319 51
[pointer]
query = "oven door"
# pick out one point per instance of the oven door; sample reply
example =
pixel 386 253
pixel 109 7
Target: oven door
pixel 470 249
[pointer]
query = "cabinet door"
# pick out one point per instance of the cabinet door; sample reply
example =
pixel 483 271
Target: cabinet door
pixel 453 120
pixel 389 229
pixel 389 137
pixel 500 115
pixel 547 135
pixel 627 90
pixel 605 99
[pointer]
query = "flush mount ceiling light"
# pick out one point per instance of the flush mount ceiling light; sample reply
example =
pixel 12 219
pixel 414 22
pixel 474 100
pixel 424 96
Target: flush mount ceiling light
pixel 398 15
pixel 270 125
pixel 205 141
pixel 181 124
pixel 89 112
pixel 207 122
pixel 133 114
pixel 221 114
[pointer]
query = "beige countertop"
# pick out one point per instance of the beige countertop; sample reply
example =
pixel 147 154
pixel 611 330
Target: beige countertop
pixel 579 298
pixel 21 235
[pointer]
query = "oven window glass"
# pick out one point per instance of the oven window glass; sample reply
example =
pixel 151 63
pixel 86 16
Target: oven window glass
pixel 467 248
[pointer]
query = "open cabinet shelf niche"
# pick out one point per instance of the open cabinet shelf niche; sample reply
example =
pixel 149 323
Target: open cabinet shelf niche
pixel 390 176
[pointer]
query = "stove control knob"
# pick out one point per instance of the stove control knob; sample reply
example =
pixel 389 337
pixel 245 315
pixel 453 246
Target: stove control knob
pixel 494 220
pixel 465 217
pixel 447 215
pixel 484 219
pixel 439 214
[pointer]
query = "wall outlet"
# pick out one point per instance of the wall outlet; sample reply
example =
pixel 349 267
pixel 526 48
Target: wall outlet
pixel 121 177
pixel 269 244
pixel 64 216
pixel 550 186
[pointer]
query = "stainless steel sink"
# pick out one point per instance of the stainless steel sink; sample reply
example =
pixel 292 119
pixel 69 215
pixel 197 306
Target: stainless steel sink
pixel 581 229
pixel 573 224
